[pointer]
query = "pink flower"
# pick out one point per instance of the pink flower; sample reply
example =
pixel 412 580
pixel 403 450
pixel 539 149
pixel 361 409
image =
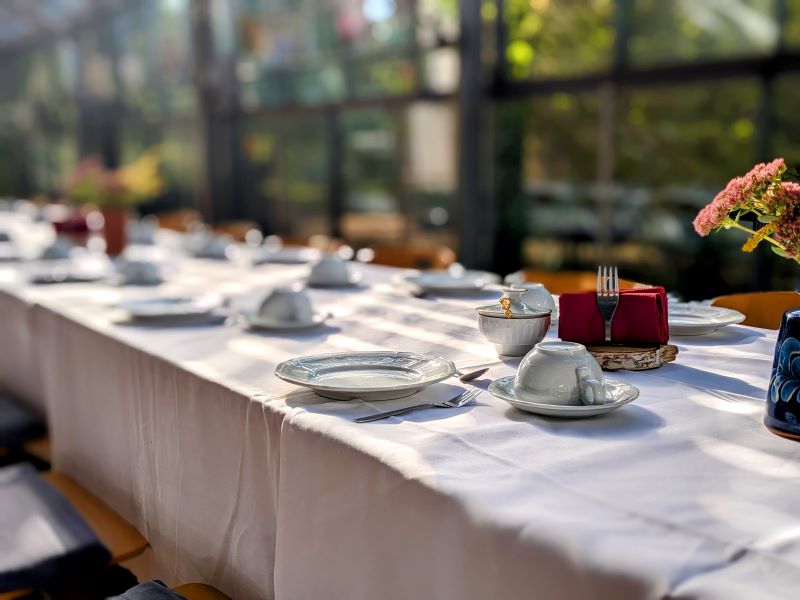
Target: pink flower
pixel 708 219
pixel 741 193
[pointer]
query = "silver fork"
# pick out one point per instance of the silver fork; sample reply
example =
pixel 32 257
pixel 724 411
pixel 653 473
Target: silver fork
pixel 463 398
pixel 607 296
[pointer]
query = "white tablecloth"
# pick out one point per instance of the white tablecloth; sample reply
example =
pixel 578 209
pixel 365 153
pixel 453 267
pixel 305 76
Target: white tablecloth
pixel 265 490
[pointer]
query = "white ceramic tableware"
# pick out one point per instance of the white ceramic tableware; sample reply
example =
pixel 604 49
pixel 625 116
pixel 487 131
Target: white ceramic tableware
pixel 366 375
pixel 536 295
pixel 688 318
pixel 8 252
pixel 285 256
pixel 211 246
pixel 142 231
pixel 285 309
pixel 563 373
pixel 515 333
pixel 618 393
pixel 200 308
pixel 452 281
pixel 286 304
pixel 331 271
pixel 139 272
pixel 60 249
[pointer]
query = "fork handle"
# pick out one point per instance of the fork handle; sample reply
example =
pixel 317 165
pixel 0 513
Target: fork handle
pixel 390 413
pixel 608 331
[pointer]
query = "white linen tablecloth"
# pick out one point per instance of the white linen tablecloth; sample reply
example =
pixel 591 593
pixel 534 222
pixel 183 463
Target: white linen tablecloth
pixel 268 491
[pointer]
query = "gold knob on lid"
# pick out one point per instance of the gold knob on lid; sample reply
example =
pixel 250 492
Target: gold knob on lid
pixel 505 304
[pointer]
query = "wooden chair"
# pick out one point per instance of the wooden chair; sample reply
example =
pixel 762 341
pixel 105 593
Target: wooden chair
pixel 414 256
pixel 762 309
pixel 39 448
pixel 119 537
pixel 179 220
pixel 238 230
pixel 558 282
pixel 199 591
pixel 19 426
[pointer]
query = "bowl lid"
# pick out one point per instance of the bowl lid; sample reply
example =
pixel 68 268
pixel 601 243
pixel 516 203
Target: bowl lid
pixel 526 312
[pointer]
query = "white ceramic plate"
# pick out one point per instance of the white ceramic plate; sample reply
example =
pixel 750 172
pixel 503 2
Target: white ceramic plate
pixel 171 307
pixel 256 322
pixel 699 319
pixel 287 256
pixel 366 375
pixel 444 282
pixel 621 393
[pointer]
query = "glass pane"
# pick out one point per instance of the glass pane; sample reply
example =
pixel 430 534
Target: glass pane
pixel 371 171
pixel 430 171
pixel 284 174
pixel 383 78
pixel 703 133
pixel 558 38
pixel 791 25
pixel 786 126
pixel 316 52
pixel 180 152
pixel 695 29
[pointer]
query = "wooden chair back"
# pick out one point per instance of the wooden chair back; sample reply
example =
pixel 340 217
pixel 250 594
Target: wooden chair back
pixel 179 220
pixel 116 534
pixel 238 230
pixel 414 256
pixel 199 591
pixel 762 309
pixel 558 282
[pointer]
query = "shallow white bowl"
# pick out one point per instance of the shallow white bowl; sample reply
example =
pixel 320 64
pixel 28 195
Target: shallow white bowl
pixel 515 336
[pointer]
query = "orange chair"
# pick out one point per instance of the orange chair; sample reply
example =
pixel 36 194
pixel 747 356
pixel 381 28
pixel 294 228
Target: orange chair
pixel 414 256
pixel 117 535
pixel 181 219
pixel 39 448
pixel 238 230
pixel 558 282
pixel 199 591
pixel 762 309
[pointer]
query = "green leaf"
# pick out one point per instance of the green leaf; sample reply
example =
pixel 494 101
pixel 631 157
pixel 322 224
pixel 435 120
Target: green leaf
pixel 779 251
pixel 766 218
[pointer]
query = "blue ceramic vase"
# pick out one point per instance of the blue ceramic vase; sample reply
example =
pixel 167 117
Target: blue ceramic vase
pixel 783 402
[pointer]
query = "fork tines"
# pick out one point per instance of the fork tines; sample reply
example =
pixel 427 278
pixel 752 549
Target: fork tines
pixel 607 296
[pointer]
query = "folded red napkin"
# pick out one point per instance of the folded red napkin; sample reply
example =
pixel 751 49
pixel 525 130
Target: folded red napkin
pixel 641 318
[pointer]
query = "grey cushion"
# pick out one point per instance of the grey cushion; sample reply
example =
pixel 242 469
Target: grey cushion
pixel 150 590
pixel 18 423
pixel 43 540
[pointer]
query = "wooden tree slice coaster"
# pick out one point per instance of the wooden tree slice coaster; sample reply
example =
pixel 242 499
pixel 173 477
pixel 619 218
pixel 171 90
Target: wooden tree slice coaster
pixel 632 358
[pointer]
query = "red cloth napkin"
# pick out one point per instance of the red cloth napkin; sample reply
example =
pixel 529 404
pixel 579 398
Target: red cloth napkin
pixel 641 318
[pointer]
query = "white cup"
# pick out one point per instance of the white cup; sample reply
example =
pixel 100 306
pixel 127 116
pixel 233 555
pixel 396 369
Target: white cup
pixel 329 270
pixel 284 304
pixel 59 250
pixel 140 272
pixel 536 296
pixel 562 373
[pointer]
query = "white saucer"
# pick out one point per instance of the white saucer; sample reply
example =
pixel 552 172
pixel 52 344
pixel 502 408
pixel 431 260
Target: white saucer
pixel 257 322
pixel 622 393
pixel 686 318
pixel 287 256
pixel 173 308
pixel 443 282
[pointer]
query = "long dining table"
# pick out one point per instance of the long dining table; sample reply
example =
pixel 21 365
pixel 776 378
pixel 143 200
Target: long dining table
pixel 266 490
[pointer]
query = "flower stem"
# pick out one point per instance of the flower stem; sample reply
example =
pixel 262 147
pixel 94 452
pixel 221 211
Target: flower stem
pixel 733 223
